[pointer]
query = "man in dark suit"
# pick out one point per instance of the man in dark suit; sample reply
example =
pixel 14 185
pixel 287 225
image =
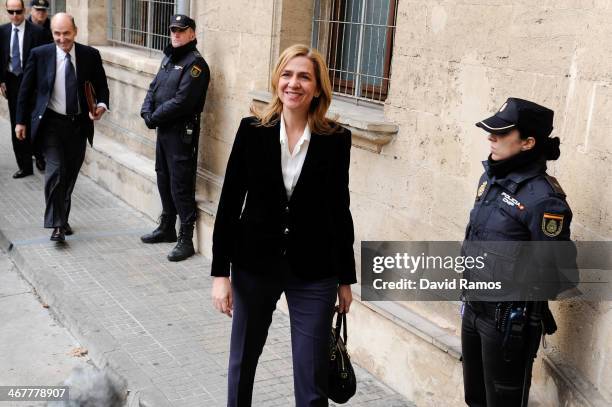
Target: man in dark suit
pixel 39 15
pixel 59 116
pixel 17 38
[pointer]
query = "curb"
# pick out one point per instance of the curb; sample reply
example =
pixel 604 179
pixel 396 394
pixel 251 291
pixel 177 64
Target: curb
pixel 70 311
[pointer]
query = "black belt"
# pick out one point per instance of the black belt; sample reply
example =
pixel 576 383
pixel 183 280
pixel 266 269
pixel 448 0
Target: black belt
pixel 52 114
pixel 484 307
pixel 493 310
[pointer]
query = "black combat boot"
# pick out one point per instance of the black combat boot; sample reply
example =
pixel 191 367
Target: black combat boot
pixel 184 247
pixel 165 232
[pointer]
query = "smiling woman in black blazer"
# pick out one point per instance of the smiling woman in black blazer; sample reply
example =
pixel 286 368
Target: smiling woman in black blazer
pixel 284 225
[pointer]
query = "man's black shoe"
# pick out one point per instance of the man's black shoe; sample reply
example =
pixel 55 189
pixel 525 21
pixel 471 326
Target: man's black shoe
pixel 68 230
pixel 165 232
pixel 21 174
pixel 58 235
pixel 184 248
pixel 41 164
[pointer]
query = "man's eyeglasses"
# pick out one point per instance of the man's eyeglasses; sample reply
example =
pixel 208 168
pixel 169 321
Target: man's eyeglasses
pixel 18 12
pixel 177 29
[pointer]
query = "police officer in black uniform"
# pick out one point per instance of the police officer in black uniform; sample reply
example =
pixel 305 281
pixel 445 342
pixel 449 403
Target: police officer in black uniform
pixel 516 201
pixel 39 14
pixel 173 105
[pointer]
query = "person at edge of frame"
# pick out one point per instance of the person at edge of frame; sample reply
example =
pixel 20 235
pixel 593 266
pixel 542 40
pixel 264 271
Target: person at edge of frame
pixel 516 200
pixel 52 102
pixel 39 15
pixel 17 38
pixel 173 105
pixel 289 166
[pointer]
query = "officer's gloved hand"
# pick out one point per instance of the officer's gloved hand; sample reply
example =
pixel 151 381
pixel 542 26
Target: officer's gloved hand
pixel 148 121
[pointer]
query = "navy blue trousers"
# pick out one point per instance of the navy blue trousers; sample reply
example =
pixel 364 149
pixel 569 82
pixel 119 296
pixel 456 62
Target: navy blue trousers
pixel 311 309
pixel 488 379
pixel 175 165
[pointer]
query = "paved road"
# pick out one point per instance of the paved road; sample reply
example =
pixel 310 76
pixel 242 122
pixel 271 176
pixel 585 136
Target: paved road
pixel 35 349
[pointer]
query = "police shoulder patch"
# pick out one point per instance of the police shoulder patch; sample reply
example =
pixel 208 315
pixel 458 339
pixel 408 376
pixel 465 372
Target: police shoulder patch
pixel 195 71
pixel 552 224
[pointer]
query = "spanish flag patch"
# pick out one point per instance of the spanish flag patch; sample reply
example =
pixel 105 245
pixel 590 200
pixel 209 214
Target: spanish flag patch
pixel 552 224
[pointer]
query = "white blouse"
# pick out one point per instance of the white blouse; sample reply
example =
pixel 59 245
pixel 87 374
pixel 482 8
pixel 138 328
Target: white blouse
pixel 292 163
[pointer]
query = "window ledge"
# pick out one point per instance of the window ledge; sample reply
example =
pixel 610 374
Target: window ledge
pixel 367 124
pixel 131 58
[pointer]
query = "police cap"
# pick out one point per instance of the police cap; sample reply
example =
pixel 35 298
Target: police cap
pixel 531 119
pixel 39 4
pixel 182 21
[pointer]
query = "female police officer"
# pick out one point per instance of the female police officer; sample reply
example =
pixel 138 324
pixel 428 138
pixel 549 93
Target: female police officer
pixel 516 201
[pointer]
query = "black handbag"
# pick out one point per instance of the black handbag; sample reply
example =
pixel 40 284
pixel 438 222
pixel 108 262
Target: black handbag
pixel 342 382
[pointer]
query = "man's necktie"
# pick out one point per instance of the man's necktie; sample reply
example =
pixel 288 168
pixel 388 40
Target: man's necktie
pixel 16 55
pixel 72 101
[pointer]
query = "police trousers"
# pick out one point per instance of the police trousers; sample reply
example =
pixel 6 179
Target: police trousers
pixel 311 309
pixel 488 379
pixel 175 165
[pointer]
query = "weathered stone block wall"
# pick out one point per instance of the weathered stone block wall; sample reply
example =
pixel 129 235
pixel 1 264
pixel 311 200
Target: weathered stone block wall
pixel 455 62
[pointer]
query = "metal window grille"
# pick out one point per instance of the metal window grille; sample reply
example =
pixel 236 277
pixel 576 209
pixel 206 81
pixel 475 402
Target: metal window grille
pixel 356 36
pixel 140 23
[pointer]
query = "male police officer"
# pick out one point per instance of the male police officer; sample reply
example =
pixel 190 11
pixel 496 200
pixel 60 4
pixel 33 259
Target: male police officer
pixel 516 201
pixel 39 14
pixel 173 105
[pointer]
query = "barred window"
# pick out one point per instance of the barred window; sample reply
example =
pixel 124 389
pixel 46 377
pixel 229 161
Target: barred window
pixel 141 23
pixel 356 36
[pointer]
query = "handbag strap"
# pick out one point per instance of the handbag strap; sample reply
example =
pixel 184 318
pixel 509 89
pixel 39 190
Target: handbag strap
pixel 341 325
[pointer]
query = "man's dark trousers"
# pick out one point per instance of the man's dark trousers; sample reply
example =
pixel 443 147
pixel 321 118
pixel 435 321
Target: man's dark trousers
pixel 22 148
pixel 64 146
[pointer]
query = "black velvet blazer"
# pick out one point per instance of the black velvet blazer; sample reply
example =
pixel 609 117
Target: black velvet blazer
pixel 257 227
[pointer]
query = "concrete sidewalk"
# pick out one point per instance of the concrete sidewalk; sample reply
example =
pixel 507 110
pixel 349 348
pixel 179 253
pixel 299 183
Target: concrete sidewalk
pixel 147 318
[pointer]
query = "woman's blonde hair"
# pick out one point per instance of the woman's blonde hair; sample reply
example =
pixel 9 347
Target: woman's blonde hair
pixel 270 114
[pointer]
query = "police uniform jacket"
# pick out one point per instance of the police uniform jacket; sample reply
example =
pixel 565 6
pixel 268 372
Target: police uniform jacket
pixel 177 93
pixel 525 205
pixel 48 36
pixel 258 228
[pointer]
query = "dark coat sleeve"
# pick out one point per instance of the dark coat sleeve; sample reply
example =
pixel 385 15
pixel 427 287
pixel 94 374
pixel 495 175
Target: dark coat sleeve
pixel 230 204
pixel 344 235
pixel 4 50
pixel 148 104
pixel 188 96
pixel 28 86
pixel 554 254
pixel 99 79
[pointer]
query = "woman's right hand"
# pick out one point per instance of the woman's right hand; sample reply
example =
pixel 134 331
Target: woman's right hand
pixel 222 295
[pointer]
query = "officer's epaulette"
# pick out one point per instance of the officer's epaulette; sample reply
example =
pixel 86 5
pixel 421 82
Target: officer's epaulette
pixel 554 184
pixel 197 54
